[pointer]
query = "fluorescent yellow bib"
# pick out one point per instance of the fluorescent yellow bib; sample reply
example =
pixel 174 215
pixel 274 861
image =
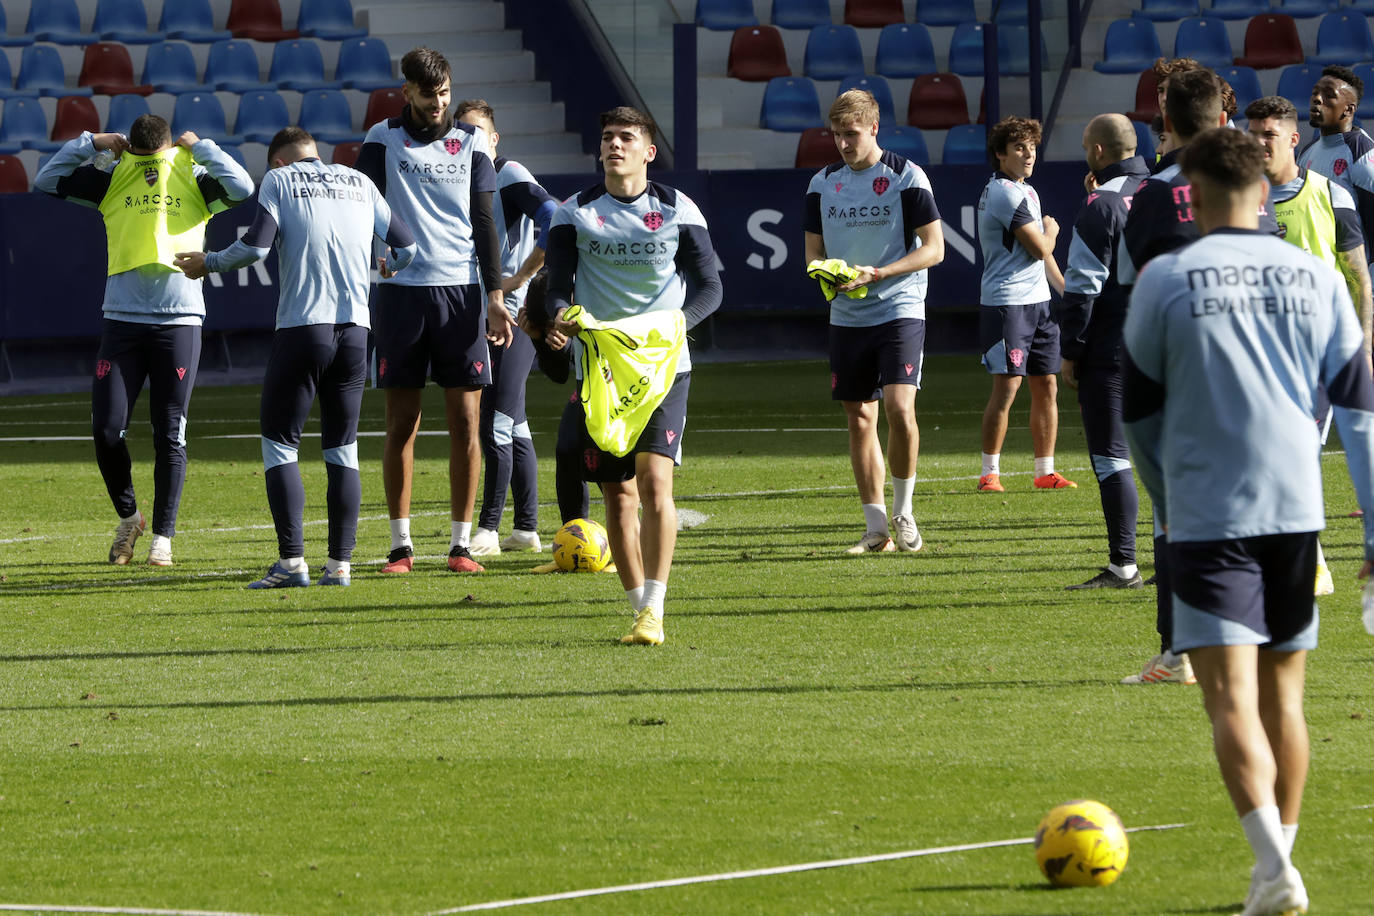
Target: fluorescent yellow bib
pixel 627 369
pixel 153 210
pixel 1308 220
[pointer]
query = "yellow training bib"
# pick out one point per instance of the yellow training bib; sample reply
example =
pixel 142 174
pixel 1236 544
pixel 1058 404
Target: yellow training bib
pixel 152 210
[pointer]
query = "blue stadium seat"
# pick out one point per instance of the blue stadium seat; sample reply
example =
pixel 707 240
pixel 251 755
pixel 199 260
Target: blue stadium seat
pixel 1296 82
pixel 57 21
pixel 1244 82
pixel 1204 40
pixel 365 64
pixel 1361 6
pixel 790 103
pixel 1131 45
pixel 328 117
pixel 800 14
pixel 905 51
pixel 124 21
pixel 24 126
pixel 298 65
pixel 1144 141
pixel 905 141
pixel 261 115
pixel 966 144
pixel 7 90
pixel 1342 38
pixel 1238 9
pixel 1305 9
pixel 41 73
pixel 328 19
pixel 1166 10
pixel 833 52
pixel 1011 12
pixel 1366 72
pixel 191 20
pixel 233 67
pixel 6 39
pixel 966 49
pixel 945 12
pixel 725 15
pixel 124 110
pixel 1013 50
pixel 882 93
pixel 170 67
pixel 202 113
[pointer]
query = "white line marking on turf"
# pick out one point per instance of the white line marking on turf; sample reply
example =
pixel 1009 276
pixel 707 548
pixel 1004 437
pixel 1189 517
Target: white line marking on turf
pixel 755 873
pixel 72 908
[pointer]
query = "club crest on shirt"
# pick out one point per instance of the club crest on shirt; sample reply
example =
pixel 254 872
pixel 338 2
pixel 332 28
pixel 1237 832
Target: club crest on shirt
pixel 653 219
pixel 1017 356
pixel 606 373
pixel 1339 166
pixel 880 184
pixel 454 145
pixel 102 368
pixel 150 175
pixel 1283 230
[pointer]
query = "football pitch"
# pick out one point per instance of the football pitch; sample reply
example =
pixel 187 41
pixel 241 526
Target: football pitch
pixel 421 743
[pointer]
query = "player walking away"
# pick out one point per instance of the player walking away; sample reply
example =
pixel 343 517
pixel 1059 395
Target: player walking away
pixel 876 212
pixel 437 175
pixel 1017 334
pixel 1090 320
pixel 322 219
pixel 156 198
pixel 631 244
pixel 1236 477
pixel 1342 151
pixel 520 207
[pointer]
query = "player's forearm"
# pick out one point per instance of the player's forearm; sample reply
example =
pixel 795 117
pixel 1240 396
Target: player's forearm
pixel 1356 273
pixel 530 267
pixel 234 257
pixel 1053 275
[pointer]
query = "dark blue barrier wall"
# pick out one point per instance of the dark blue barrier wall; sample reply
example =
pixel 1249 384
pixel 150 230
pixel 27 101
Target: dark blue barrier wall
pixel 54 265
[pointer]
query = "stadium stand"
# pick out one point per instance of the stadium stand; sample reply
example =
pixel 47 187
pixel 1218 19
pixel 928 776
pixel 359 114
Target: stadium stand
pixel 1238 9
pixel 169 66
pixel 873 14
pixel 966 49
pixel 833 52
pixel 905 50
pixel 106 69
pixel 907 142
pixel 1365 72
pixel 1146 97
pixel 233 67
pixel 800 14
pixel 1245 82
pixel 41 73
pixel 1167 10
pixel 365 64
pixel 1144 141
pixel 123 111
pixel 202 113
pixel 75 113
pixel 298 65
pixel 945 12
pixel 757 54
pixel 1013 50
pixel 1131 45
pixel 326 114
pixel 6 39
pixel 23 125
pixel 58 21
pixel 383 104
pixel 14 178
pixel 328 19
pixel 725 14
pixel 191 20
pixel 966 145
pixel 259 20
pixel 815 148
pixel 937 102
pixel 1296 82
pixel 1205 41
pixel 790 104
pixel 1271 40
pixel 261 114
pixel 1342 38
pixel 346 153
pixel 882 94
pixel 125 21
pixel 1301 9
pixel 1012 12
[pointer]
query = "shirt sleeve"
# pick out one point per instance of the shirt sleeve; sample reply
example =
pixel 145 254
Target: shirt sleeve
pixel 223 182
pixel 1143 389
pixel 391 229
pixel 1091 252
pixel 1349 234
pixel 68 175
pixel 561 263
pixel 372 157
pixel 918 204
pixel 1345 372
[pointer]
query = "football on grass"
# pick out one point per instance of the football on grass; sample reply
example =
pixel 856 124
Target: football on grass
pixel 581 546
pixel 1081 844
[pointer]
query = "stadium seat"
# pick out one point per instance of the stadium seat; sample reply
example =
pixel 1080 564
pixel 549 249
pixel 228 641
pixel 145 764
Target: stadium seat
pixel 1305 9
pixel 201 113
pixel 1146 97
pixel 328 117
pixel 1271 40
pixel 14 179
pixel 800 14
pixel 1244 82
pixel 261 115
pixel 41 73
pixel 107 70
pixel 124 21
pixel 1205 41
pixel 24 126
pixel 757 54
pixel 723 15
pixel 966 49
pixel 365 64
pixel 347 153
pixel 124 110
pixel 1361 6
pixel 1144 141
pixel 383 104
pixel 6 39
pixel 1131 45
pixel 1011 12
pixel 1342 38
pixel 966 144
pixel 1013 50
pixel 298 65
pixel 1166 10
pixel 75 113
pixel 7 89
pixel 170 67
pixel 816 148
pixel 873 14
pixel 191 20
pixel 833 52
pixel 882 94
pixel 233 67
pixel 58 21
pixel 1366 73
pixel 907 142
pixel 945 12
pixel 790 103
pixel 905 51
pixel 331 20
pixel 259 20
pixel 1296 82
pixel 1238 9
pixel 937 102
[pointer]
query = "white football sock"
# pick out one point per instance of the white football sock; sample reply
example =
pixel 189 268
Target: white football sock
pixel 1044 466
pixel 400 533
pixel 902 488
pixel 461 533
pixel 636 596
pixel 654 593
pixel 1126 572
pixel 337 567
pixel 1290 836
pixel 1265 835
pixel 875 518
pixel 162 542
pixel 292 564
pixel 992 464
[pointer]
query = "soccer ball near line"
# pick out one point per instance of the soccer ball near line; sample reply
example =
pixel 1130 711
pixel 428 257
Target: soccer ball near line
pixel 581 546
pixel 1081 844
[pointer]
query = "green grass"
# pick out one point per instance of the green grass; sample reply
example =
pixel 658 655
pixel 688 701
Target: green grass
pixel 410 744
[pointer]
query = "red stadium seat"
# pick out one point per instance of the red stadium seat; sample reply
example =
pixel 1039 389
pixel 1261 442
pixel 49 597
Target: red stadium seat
pixel 107 69
pixel 816 148
pixel 873 14
pixel 1271 41
pixel 13 178
pixel 1146 97
pixel 757 54
pixel 383 104
pixel 347 153
pixel 259 20
pixel 937 102
pixel 75 113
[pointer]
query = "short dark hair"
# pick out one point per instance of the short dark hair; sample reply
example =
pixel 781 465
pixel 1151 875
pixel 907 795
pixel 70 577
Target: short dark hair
pixel 480 106
pixel 1230 159
pixel 149 132
pixel 288 136
pixel 1157 126
pixel 1011 130
pixel 426 68
pixel 537 292
pixel 1193 102
pixel 1348 75
pixel 631 117
pixel 1272 106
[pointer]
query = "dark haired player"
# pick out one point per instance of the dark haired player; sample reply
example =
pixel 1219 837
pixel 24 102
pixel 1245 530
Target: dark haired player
pixel 1342 152
pixel 156 199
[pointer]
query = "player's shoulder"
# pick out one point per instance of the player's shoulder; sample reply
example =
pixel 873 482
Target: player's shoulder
pixel 383 130
pixel 1358 142
pixel 822 178
pixel 508 171
pixel 905 172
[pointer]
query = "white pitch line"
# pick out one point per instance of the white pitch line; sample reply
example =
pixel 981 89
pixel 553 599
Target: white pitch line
pixel 754 873
pixel 71 908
